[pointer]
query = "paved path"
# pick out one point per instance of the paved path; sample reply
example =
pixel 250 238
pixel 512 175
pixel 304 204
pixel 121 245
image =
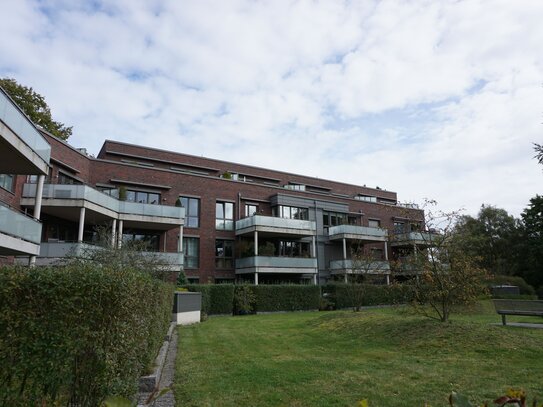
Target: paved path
pixel 166 379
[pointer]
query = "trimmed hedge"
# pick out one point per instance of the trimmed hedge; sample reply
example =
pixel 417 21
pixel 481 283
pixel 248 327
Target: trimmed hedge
pixel 220 298
pixel 271 298
pixel 216 299
pixel 341 296
pixel 77 334
pixel 524 287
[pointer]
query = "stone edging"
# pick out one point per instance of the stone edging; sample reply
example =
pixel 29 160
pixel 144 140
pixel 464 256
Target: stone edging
pixel 149 383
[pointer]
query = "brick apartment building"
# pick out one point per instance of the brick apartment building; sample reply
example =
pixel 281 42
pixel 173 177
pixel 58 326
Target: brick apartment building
pixel 219 221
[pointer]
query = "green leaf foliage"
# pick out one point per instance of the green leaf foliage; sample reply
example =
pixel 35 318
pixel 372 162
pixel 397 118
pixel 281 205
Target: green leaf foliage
pixel 340 294
pixel 76 334
pixel 35 107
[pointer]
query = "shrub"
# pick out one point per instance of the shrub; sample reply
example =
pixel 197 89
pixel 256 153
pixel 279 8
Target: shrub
pixel 216 299
pixel 244 299
pixel 287 297
pixel 525 288
pixel 79 333
pixel 340 294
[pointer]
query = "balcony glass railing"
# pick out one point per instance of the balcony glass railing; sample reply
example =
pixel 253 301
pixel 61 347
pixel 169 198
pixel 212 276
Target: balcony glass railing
pixel 273 222
pixel 61 191
pixel 18 225
pixel 277 262
pixel 21 125
pixel 361 266
pixel 417 237
pixel 355 230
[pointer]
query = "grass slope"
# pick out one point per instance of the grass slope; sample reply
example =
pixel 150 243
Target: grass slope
pixel 390 356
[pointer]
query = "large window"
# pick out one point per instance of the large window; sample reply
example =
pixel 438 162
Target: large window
pixel 66 179
pixel 374 223
pixel 291 212
pixel 224 254
pixel 250 210
pixel 7 181
pixel 143 240
pixel 293 248
pixel 192 211
pixel 191 252
pixel 399 227
pixel 143 197
pixel 333 218
pixel 224 216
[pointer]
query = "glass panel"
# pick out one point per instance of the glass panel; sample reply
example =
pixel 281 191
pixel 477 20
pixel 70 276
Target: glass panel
pixel 229 209
pixel 228 246
pixel 184 203
pixel 131 196
pixel 219 210
pixel 193 207
pixel 141 197
pixel 154 199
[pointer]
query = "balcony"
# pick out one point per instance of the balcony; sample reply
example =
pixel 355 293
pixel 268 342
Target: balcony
pixel 362 267
pixel 19 234
pixel 268 264
pixel 273 226
pixel 65 201
pixel 353 232
pixel 23 149
pixel 54 252
pixel 422 239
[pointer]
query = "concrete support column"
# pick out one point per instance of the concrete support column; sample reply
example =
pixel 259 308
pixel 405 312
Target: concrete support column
pixel 180 240
pixel 388 279
pixel 313 247
pixel 256 278
pixel 415 251
pixel 120 235
pixel 386 251
pixel 114 233
pixel 39 194
pixel 345 277
pixel 256 243
pixel 314 279
pixel 81 225
pixel 344 249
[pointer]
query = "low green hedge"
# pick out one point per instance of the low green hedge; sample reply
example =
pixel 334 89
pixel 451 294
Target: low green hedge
pixel 271 298
pixel 220 298
pixel 524 287
pixel 77 334
pixel 341 295
pixel 216 299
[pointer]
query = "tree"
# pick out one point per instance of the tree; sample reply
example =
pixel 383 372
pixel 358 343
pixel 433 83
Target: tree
pixel 35 107
pixel 363 265
pixel 531 255
pixel 492 237
pixel 448 275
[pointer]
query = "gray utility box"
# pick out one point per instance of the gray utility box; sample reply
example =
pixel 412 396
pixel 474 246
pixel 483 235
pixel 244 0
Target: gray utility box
pixel 187 308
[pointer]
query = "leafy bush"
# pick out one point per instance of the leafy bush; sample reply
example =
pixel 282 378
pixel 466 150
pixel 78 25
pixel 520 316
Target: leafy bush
pixel 244 299
pixel 216 299
pixel 341 294
pixel 287 297
pixel 524 287
pixel 79 333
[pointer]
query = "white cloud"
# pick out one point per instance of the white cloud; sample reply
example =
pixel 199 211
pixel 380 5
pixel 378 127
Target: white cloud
pixel 431 99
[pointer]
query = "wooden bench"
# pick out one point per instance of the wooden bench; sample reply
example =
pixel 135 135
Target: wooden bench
pixel 518 307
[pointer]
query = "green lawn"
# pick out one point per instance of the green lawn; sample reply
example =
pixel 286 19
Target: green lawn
pixel 390 356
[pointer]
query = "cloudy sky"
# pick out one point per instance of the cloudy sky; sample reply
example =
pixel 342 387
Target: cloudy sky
pixel 431 99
